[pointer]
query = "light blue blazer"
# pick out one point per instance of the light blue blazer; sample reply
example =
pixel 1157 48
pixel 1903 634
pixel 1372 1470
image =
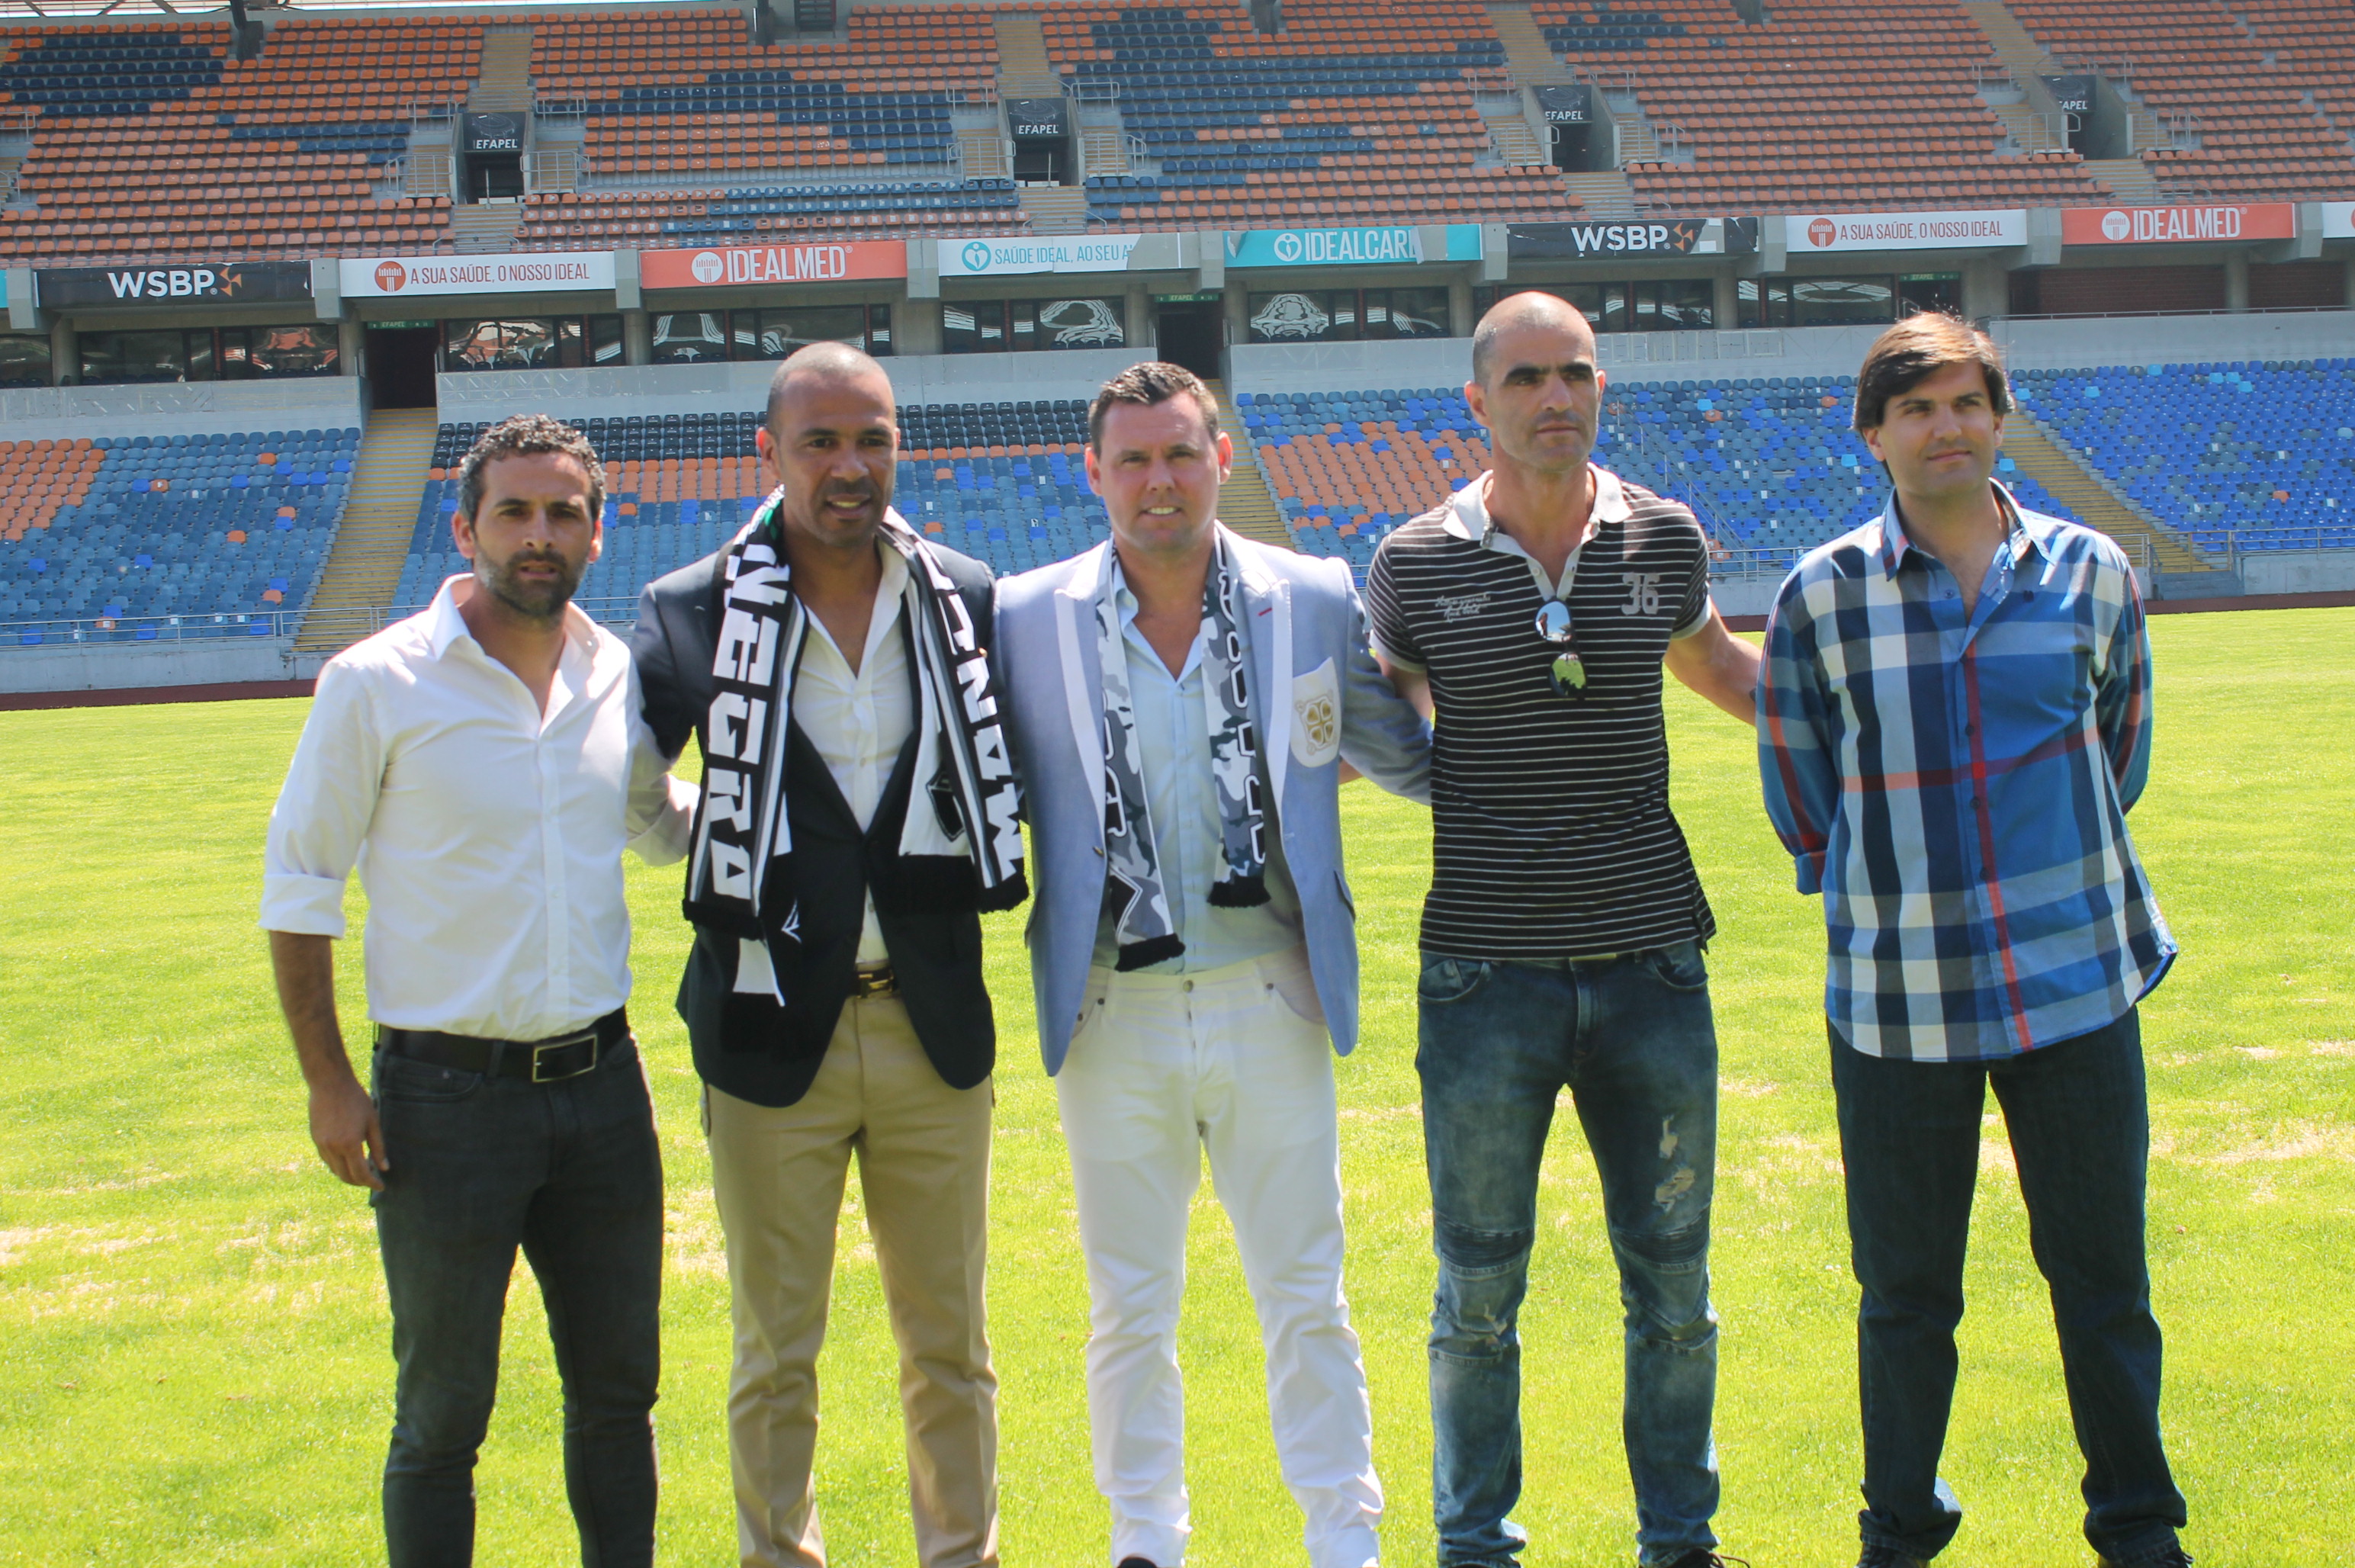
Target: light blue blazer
pixel 1330 702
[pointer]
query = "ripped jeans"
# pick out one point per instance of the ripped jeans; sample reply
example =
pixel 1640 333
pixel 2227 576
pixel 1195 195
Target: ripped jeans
pixel 1631 1039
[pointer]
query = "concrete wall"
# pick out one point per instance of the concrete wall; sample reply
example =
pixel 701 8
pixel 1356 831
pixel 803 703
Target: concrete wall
pixel 1632 359
pixel 113 666
pixel 2298 572
pixel 731 388
pixel 326 402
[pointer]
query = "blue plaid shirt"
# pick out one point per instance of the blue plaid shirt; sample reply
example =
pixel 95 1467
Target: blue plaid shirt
pixel 1954 781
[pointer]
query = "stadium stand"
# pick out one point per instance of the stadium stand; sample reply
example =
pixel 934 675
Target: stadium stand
pixel 198 532
pixel 852 210
pixel 1830 105
pixel 148 143
pixel 2261 456
pixel 1001 481
pixel 2257 136
pixel 1345 117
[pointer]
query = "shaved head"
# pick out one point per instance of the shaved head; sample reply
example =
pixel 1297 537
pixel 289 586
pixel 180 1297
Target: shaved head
pixel 1546 312
pixel 829 363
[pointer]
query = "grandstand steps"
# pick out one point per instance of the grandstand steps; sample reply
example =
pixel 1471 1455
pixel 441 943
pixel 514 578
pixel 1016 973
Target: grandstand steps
pixel 364 569
pixel 1604 195
pixel 486 226
pixel 2130 179
pixel 2027 128
pixel 1024 68
pixel 981 153
pixel 1055 209
pixel 1528 56
pixel 553 169
pixel 1514 143
pixel 2029 122
pixel 429 170
pixel 1245 503
pixel 505 84
pixel 1104 150
pixel 1637 142
pixel 2052 465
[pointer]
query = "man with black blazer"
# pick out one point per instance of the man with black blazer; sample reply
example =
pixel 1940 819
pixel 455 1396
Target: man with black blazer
pixel 858 816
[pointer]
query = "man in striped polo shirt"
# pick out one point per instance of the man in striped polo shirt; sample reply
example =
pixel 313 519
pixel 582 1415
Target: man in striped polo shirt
pixel 1561 939
pixel 1954 722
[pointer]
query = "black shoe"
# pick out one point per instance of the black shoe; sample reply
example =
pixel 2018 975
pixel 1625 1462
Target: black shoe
pixel 1889 1557
pixel 1702 1557
pixel 2173 1557
pixel 1136 1562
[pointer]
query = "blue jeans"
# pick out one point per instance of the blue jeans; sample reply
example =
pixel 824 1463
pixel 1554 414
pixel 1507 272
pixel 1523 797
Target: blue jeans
pixel 1632 1040
pixel 570 1171
pixel 2080 1132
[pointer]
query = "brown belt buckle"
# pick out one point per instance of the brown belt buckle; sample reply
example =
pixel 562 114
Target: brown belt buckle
pixel 539 1071
pixel 877 982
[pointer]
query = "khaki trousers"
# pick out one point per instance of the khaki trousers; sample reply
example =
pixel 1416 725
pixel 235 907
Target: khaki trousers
pixel 924 1168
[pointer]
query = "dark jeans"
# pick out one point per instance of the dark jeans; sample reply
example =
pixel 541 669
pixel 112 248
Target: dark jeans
pixel 572 1172
pixel 1632 1040
pixel 2080 1132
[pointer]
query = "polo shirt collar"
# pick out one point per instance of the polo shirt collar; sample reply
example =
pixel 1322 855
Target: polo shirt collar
pixel 1467 510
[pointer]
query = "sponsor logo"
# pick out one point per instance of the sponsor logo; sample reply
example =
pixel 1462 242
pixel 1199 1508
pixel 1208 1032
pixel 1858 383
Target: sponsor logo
pixel 1287 247
pixel 976 257
pixel 707 267
pixel 2116 225
pixel 1911 230
pixel 1822 231
pixel 391 277
pixel 168 283
pixel 1460 606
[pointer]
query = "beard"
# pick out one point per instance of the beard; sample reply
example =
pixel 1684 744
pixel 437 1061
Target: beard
pixel 543 601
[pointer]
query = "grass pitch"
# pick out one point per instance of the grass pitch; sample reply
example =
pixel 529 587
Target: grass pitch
pixel 194 1361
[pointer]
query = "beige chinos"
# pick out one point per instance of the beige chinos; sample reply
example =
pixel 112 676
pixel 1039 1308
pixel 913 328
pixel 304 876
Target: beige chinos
pixel 923 1170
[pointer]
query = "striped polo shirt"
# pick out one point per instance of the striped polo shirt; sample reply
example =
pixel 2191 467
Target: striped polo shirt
pixel 1552 832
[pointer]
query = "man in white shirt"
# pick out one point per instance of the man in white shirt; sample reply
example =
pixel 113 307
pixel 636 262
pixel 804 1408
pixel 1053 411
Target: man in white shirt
pixel 483 764
pixel 858 814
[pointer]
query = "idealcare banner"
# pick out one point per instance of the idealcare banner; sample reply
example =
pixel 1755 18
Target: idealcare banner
pixel 539 272
pixel 1389 244
pixel 755 266
pixel 1813 232
pixel 2215 225
pixel 997 258
pixel 182 283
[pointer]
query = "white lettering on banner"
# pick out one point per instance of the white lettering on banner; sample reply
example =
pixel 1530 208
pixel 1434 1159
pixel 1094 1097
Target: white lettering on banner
pixel 171 282
pixel 976 257
pixel 478 274
pixel 1352 245
pixel 1619 237
pixel 2161 223
pixel 1906 230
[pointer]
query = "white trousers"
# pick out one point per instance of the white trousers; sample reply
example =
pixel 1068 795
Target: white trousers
pixel 1235 1062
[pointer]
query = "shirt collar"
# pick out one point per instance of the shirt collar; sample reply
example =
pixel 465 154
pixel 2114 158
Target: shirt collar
pixel 444 625
pixel 1467 510
pixel 2023 531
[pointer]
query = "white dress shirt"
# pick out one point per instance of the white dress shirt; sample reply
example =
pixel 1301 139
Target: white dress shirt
pixel 859 722
pixel 488 836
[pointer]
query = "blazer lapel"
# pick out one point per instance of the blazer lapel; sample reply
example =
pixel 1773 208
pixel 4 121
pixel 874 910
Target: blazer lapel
pixel 1075 639
pixel 1267 615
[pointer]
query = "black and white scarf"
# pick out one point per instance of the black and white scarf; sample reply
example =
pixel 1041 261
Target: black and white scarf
pixel 740 875
pixel 1134 895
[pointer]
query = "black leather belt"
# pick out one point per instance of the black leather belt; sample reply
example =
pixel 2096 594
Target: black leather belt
pixel 874 980
pixel 540 1060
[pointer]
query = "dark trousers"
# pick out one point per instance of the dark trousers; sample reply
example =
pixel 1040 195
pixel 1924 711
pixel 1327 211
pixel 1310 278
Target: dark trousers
pixel 570 1171
pixel 2080 1132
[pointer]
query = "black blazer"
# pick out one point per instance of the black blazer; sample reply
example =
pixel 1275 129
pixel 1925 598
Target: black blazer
pixel 935 953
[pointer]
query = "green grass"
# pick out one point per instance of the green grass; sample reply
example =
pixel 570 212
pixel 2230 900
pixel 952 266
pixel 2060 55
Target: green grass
pixel 194 1361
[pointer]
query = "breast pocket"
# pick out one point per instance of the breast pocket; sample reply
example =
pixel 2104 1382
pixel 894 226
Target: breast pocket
pixel 1317 716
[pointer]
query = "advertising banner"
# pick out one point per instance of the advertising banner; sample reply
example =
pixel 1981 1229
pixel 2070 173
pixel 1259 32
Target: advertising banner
pixel 1038 119
pixel 495 132
pixel 1009 257
pixel 1810 232
pixel 2178 225
pixel 1567 104
pixel 182 283
pixel 1606 241
pixel 1389 244
pixel 2073 94
pixel 2338 220
pixel 745 266
pixel 410 277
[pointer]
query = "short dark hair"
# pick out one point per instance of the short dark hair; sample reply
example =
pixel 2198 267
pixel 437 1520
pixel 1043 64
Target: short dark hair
pixel 527 435
pixel 1917 348
pixel 828 359
pixel 1505 312
pixel 1145 385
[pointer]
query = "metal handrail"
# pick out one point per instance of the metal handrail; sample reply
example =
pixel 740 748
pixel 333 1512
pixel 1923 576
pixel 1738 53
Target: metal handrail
pixel 1092 89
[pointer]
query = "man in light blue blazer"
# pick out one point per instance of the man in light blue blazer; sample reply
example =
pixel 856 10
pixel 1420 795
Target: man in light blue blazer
pixel 1183 704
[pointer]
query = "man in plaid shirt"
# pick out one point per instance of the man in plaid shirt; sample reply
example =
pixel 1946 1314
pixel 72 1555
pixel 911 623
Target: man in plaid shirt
pixel 1954 720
